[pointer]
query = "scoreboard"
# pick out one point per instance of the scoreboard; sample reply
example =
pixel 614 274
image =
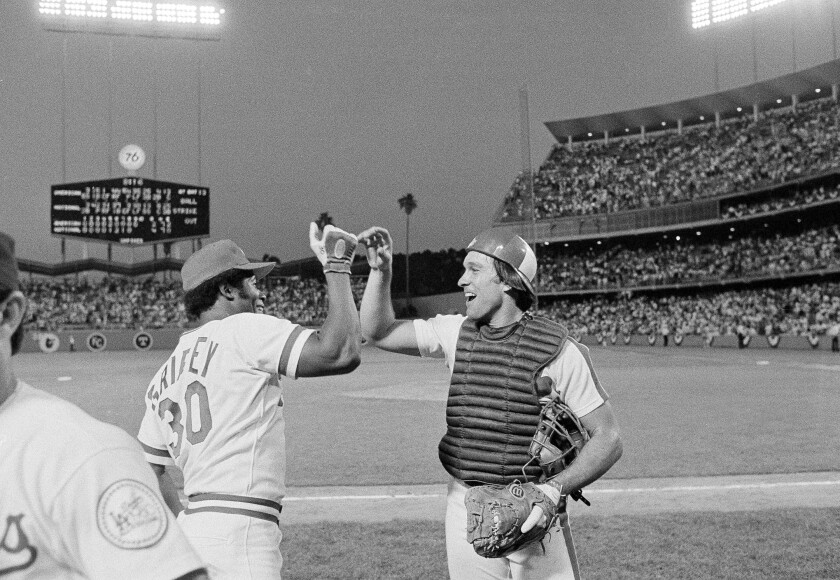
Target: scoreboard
pixel 129 210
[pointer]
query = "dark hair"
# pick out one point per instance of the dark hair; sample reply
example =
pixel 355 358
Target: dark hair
pixel 204 296
pixel 17 336
pixel 508 275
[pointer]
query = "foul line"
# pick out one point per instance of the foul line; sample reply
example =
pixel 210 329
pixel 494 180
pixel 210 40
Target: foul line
pixel 683 488
pixel 732 486
pixel 364 497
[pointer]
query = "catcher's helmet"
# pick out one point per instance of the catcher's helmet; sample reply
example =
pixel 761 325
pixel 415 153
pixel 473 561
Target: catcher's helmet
pixel 510 249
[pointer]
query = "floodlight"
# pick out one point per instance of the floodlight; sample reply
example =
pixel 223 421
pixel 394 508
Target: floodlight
pixel 133 18
pixel 707 12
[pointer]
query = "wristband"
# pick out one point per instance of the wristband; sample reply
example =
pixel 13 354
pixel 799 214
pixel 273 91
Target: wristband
pixel 337 267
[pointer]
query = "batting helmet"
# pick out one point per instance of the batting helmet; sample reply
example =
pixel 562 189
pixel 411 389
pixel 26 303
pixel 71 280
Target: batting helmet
pixel 510 249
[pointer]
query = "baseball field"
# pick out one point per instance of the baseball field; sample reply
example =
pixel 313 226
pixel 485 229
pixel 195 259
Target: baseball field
pixel 730 466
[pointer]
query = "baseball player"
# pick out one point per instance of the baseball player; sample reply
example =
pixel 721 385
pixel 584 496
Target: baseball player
pixel 77 499
pixel 214 408
pixel 494 354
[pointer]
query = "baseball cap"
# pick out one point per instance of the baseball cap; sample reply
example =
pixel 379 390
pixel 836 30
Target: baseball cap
pixel 216 258
pixel 8 264
pixel 510 249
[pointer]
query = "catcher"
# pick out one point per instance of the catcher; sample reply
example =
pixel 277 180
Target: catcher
pixel 528 423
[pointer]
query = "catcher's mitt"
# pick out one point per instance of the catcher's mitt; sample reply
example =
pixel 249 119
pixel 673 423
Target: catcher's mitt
pixel 495 515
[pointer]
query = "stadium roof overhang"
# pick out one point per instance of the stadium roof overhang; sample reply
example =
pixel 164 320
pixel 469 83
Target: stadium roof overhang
pixel 803 84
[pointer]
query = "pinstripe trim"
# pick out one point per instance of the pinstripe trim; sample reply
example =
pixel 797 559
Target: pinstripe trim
pixel 156 452
pixel 287 350
pixel 235 511
pixel 291 351
pixel 264 509
pixel 570 546
pixel 584 350
pixel 239 498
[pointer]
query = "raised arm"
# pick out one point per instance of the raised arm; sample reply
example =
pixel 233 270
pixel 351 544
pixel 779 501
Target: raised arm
pixel 379 323
pixel 336 347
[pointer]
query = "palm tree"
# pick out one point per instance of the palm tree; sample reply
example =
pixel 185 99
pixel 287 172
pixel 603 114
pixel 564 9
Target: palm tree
pixel 324 220
pixel 408 204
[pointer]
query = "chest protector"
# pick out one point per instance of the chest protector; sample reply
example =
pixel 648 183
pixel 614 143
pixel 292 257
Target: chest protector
pixel 493 408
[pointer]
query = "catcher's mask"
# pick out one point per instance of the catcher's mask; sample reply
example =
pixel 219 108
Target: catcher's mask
pixel 559 438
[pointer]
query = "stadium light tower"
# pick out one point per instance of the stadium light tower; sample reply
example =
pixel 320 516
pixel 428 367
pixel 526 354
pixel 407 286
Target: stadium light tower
pixel 131 18
pixel 707 12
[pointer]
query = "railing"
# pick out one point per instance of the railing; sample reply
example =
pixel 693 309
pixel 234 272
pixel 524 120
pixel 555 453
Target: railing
pixel 639 220
pixel 699 284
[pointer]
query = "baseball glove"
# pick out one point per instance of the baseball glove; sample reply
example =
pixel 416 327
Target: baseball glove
pixel 495 515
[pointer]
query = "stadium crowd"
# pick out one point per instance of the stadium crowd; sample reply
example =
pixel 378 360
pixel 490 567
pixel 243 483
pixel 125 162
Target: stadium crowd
pixel 666 168
pixel 796 199
pixel 799 310
pixel 113 303
pixel 688 261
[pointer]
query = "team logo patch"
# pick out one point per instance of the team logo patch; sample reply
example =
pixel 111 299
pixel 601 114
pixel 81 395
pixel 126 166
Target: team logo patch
pixel 130 515
pixel 516 490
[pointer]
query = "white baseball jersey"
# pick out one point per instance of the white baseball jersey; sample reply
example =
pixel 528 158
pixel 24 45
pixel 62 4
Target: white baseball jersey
pixel 77 499
pixel 215 410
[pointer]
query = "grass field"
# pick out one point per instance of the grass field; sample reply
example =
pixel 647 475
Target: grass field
pixel 682 412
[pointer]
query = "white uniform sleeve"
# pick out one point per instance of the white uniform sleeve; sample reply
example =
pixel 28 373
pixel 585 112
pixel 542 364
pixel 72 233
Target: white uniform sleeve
pixel 152 439
pixel 271 344
pixel 115 523
pixel 575 379
pixel 437 337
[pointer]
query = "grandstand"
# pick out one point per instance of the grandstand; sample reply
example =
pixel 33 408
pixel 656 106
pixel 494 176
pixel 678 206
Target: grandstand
pixel 713 216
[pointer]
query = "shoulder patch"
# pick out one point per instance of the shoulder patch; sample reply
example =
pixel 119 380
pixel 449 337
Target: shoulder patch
pixel 130 515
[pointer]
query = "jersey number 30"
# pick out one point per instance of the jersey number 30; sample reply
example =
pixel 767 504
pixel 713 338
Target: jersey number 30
pixel 194 397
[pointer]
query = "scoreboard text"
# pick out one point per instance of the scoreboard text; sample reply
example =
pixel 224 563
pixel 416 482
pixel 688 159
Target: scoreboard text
pixel 130 210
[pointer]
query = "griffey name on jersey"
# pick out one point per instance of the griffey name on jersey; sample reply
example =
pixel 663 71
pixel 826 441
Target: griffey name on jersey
pixel 195 360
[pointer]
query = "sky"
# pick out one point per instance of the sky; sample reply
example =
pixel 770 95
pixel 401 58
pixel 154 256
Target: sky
pixel 339 106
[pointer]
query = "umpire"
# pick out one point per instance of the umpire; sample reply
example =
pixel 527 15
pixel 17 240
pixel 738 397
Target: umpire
pixel 495 353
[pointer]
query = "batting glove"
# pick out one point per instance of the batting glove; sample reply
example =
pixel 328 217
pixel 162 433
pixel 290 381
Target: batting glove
pixel 334 247
pixel 537 517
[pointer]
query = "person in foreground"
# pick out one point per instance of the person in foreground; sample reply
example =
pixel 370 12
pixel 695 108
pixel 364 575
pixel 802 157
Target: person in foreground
pixel 214 409
pixel 77 499
pixel 505 363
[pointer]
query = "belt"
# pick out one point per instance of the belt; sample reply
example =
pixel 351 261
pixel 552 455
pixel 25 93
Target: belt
pixel 263 509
